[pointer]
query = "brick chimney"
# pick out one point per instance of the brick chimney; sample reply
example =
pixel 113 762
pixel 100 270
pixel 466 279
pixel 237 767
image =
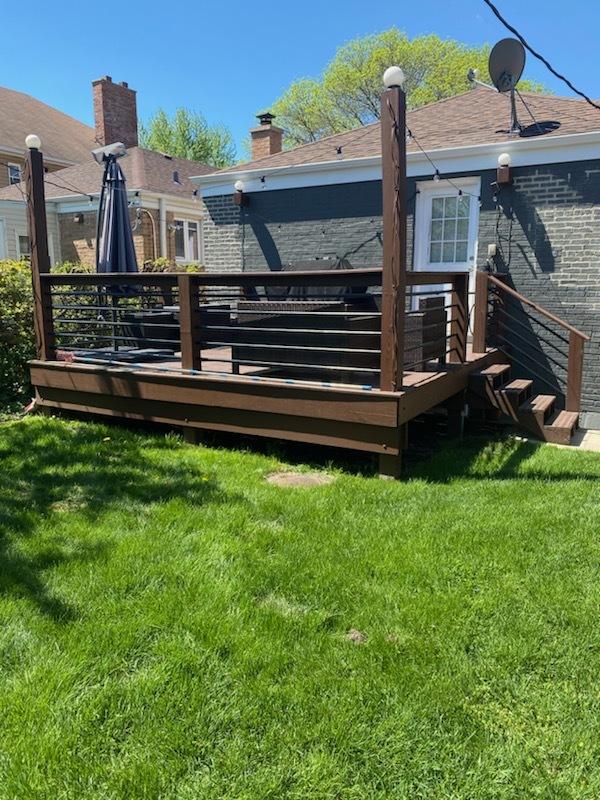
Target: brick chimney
pixel 267 138
pixel 115 112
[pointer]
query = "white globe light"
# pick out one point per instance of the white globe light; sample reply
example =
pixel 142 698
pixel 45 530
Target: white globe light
pixel 33 141
pixel 504 160
pixel 239 186
pixel 393 76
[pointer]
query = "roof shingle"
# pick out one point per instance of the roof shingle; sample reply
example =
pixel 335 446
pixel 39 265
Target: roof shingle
pixel 145 170
pixel 64 138
pixel 478 116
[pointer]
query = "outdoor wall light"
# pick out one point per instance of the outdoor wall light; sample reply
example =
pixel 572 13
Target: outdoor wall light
pixel 33 142
pixel 392 77
pixel 239 198
pixel 503 176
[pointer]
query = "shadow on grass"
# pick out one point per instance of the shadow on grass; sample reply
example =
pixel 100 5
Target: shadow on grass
pixel 501 458
pixel 51 469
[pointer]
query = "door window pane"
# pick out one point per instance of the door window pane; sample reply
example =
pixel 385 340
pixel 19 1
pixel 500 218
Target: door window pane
pixel 449 230
pixel 461 251
pixel 435 252
pixel 437 208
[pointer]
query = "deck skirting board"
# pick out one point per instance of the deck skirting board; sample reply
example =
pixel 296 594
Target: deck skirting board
pixel 337 416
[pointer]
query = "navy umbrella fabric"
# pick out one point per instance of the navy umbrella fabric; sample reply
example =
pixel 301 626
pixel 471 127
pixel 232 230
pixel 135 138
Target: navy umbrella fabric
pixel 115 251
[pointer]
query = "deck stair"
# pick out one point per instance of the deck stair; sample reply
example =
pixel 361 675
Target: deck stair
pixel 493 390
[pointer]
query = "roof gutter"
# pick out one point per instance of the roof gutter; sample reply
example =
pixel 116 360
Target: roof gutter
pixel 452 160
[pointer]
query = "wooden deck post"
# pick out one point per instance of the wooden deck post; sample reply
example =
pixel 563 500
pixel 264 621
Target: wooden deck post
pixel 393 179
pixel 574 372
pixel 459 318
pixel 189 322
pixel 40 258
pixel 480 313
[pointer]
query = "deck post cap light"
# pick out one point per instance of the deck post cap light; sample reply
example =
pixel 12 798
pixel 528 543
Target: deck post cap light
pixel 239 186
pixel 393 76
pixel 33 141
pixel 504 160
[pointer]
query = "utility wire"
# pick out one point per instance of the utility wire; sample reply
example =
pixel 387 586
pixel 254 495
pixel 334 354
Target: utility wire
pixel 537 55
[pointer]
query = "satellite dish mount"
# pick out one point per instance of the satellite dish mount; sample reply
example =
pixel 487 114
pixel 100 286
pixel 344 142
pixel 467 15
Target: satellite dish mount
pixel 506 65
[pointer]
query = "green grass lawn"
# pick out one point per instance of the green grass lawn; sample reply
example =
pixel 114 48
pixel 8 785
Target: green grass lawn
pixel 173 626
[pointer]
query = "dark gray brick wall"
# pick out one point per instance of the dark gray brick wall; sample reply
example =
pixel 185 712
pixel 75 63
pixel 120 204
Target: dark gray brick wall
pixel 547 227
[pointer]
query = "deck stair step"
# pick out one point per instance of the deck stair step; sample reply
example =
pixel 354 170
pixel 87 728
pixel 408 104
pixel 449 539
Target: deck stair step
pixel 496 374
pixel 483 384
pixel 512 395
pixel 535 412
pixel 560 427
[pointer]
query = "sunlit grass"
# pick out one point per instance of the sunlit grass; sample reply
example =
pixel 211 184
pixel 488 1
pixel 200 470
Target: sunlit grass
pixel 173 626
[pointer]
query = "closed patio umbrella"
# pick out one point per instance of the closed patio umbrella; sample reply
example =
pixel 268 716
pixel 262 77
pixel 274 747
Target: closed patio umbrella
pixel 114 242
pixel 115 251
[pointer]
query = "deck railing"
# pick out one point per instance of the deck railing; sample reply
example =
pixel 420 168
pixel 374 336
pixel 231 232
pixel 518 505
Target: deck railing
pixel 539 343
pixel 321 325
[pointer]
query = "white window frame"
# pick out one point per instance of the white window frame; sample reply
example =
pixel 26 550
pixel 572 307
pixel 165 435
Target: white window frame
pixel 429 190
pixel 10 166
pixel 186 258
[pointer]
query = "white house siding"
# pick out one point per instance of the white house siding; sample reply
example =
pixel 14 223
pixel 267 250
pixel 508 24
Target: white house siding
pixel 13 221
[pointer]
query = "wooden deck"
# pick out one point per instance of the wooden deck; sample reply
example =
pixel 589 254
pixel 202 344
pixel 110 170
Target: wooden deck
pixel 336 415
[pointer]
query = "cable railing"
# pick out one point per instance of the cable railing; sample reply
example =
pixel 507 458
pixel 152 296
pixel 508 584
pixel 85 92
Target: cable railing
pixel 323 326
pixel 542 345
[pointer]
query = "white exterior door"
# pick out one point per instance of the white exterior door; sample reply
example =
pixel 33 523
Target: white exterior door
pixel 446 224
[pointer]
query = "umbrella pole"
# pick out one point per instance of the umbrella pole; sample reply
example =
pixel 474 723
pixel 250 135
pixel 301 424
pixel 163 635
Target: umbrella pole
pixel 113 301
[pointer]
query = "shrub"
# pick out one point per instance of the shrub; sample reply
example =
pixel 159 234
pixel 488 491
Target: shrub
pixel 17 341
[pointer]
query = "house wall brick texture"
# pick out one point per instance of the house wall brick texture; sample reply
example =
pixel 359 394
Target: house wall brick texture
pixel 78 239
pixel 546 226
pixel 115 112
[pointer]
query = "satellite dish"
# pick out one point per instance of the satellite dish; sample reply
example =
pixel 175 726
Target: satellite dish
pixel 506 64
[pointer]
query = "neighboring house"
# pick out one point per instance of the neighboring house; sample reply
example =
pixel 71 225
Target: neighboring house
pixel 323 200
pixel 166 219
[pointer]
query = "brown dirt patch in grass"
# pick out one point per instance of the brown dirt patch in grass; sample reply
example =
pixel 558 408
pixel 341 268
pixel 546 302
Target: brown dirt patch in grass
pixel 299 479
pixel 356 637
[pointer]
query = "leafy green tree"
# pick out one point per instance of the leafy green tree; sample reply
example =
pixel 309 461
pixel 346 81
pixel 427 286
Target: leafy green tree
pixel 187 135
pixel 347 94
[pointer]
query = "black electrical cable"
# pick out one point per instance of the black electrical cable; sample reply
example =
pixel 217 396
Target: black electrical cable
pixel 537 55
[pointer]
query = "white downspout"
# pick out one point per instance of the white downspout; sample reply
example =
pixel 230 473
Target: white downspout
pixel 162 224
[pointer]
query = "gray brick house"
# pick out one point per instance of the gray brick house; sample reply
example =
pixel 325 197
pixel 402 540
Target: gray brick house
pixel 323 201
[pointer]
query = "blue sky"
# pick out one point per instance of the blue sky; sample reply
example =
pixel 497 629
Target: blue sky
pixel 231 59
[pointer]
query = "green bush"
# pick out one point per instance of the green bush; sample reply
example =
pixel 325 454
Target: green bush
pixel 17 341
pixel 17 337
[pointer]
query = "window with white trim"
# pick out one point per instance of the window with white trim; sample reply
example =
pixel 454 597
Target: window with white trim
pixel 23 245
pixel 14 174
pixel 187 240
pixel 449 229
